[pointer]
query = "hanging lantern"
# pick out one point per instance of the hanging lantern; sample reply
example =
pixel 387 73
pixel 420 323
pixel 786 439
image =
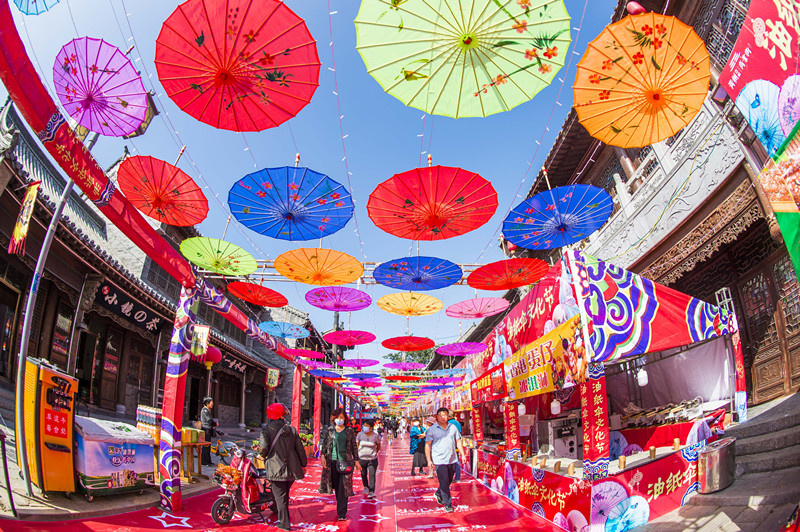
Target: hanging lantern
pixel 213 356
pixel 555 407
pixel 521 408
pixel 642 378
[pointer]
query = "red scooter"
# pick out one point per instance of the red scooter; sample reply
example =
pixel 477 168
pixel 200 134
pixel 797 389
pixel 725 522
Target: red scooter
pixel 246 490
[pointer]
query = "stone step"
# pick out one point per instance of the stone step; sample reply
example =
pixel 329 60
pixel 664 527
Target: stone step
pixel 779 439
pixel 785 458
pixel 755 489
pixel 769 425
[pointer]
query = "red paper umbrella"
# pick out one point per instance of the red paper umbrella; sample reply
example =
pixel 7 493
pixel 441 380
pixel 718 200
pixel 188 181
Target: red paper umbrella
pixel 257 294
pixel 432 203
pixel 507 274
pixel 241 65
pixel 305 353
pixel 402 378
pixel 162 191
pixel 408 343
pixel 479 307
pixel 349 338
pixel 358 363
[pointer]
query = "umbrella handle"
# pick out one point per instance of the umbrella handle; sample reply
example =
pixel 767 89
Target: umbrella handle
pixel 225 232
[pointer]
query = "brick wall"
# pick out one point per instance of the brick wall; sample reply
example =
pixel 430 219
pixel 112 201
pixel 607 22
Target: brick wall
pixel 228 415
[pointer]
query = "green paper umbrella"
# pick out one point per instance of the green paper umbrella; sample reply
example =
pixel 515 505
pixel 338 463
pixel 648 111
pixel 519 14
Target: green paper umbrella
pixel 463 58
pixel 218 256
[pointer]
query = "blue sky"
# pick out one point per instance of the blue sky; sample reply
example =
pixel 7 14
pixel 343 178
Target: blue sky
pixel 384 137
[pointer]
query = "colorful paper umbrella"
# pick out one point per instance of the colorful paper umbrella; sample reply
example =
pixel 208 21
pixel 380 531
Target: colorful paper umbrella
pixel 290 203
pixel 402 378
pixel 404 366
pixel 444 380
pixel 98 87
pixel 358 363
pixel 314 364
pixel 323 267
pixel 435 388
pixel 349 338
pixel 410 304
pixel 240 65
pixel 257 294
pixel 480 307
pixel 305 353
pixel 408 343
pixel 789 103
pixel 450 371
pixel 457 58
pixel 323 374
pixel 507 274
pixel 162 191
pixel 641 80
pixel 417 273
pixel 368 384
pixel 461 349
pixel 432 203
pixel 558 217
pixel 218 256
pixel 283 329
pixel 362 376
pixel 35 7
pixel 338 298
pixel 759 103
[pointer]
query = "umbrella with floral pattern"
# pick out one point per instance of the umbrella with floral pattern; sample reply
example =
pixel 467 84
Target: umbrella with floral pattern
pixel 218 256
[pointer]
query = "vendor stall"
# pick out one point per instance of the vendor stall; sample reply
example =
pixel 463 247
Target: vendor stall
pixel 587 380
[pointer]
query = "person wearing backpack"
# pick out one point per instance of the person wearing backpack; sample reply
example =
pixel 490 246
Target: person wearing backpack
pixel 284 459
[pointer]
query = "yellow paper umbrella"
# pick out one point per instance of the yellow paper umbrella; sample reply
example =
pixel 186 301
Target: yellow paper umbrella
pixel 321 267
pixel 641 80
pixel 410 304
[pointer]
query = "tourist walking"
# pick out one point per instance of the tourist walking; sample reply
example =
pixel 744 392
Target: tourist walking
pixel 390 434
pixel 403 425
pixel 417 447
pixel 441 442
pixel 429 422
pixel 209 427
pixel 284 459
pixel 369 444
pixel 338 456
pixel 453 421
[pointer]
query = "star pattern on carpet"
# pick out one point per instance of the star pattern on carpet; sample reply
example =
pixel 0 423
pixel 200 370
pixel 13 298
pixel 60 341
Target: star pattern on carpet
pixel 375 518
pixel 169 521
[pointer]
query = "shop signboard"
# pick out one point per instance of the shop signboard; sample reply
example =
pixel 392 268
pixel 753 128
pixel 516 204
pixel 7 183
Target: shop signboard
pixel 233 364
pixel 760 75
pixel 490 386
pixel 118 302
pixel 477 424
pixel 273 375
pixel 511 426
pixel 461 398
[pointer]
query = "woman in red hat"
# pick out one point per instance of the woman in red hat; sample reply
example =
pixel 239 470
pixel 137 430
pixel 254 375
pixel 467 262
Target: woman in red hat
pixel 284 459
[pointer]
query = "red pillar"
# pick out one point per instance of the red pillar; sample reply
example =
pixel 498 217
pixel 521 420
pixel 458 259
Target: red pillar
pixel 297 392
pixel 317 413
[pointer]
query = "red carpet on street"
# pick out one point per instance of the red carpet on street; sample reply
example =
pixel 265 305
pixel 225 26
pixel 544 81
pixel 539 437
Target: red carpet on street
pixel 402 503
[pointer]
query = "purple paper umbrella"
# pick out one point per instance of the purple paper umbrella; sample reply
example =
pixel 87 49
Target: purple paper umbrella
pixel 404 366
pixel 314 364
pixel 480 307
pixel 338 298
pixel 461 349
pixel 358 363
pixel 605 496
pixel 444 380
pixel 789 103
pixel 98 87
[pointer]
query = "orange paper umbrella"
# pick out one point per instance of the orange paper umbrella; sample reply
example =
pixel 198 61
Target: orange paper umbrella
pixel 257 294
pixel 322 267
pixel 410 304
pixel 162 191
pixel 641 80
pixel 507 274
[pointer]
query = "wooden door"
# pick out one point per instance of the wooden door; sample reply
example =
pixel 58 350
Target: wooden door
pixel 788 291
pixel 112 353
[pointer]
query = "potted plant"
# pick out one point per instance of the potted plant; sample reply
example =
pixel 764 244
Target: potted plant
pixel 307 438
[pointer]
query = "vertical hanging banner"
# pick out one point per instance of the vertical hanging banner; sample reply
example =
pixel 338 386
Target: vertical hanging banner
pixel 200 342
pixel 511 424
pixel 16 246
pixel 594 414
pixel 477 423
pixel 273 375
pixel 761 74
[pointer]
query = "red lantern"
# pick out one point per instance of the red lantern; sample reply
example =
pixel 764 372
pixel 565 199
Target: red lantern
pixel 511 247
pixel 635 8
pixel 213 356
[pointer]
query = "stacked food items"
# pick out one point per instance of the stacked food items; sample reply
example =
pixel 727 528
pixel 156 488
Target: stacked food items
pixel 148 419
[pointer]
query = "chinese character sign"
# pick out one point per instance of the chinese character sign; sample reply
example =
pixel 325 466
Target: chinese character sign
pixel 55 423
pixel 759 74
pixel 477 424
pixel 511 425
pixel 118 302
pixel 489 386
pixel 594 413
pixel 560 499
pixel 273 375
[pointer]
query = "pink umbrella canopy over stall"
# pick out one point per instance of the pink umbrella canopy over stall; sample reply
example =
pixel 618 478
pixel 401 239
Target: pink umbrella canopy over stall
pixel 349 338
pixel 98 87
pixel 338 298
pixel 480 307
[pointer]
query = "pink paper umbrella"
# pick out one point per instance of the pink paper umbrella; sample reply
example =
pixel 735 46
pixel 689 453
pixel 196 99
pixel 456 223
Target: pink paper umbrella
pixel 461 349
pixel 444 380
pixel 367 384
pixel 314 364
pixel 404 366
pixel 358 363
pixel 480 307
pixel 338 298
pixel 349 338
pixel 98 87
pixel 305 353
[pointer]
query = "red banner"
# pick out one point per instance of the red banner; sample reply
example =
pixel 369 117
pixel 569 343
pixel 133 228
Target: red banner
pixel 594 412
pixel 16 245
pixel 477 423
pixel 490 386
pixel 511 424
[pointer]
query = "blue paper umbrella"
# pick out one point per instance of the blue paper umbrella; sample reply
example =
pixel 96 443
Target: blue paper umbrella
pixel 417 273
pixel 759 102
pixel 34 7
pixel 362 376
pixel 558 217
pixel 290 203
pixel 324 374
pixel 283 329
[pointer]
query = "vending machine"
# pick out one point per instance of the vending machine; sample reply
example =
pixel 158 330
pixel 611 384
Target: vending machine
pixel 48 405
